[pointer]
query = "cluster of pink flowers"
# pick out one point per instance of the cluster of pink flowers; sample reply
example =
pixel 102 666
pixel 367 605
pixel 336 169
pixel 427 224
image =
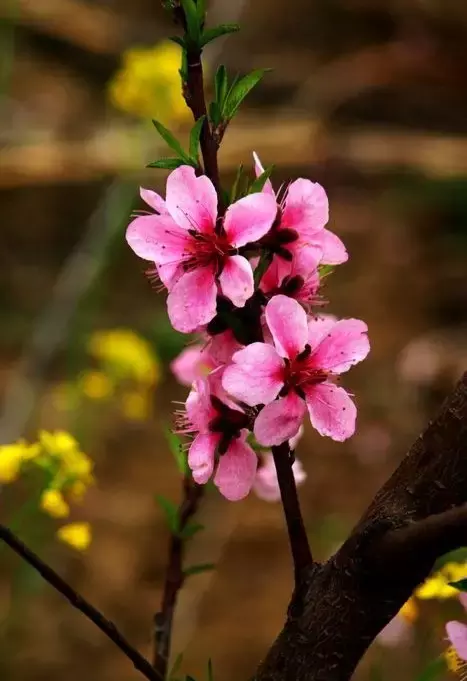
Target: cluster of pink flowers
pixel 247 282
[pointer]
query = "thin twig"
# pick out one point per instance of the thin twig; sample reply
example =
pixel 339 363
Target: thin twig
pixel 175 576
pixel 301 552
pixel 106 626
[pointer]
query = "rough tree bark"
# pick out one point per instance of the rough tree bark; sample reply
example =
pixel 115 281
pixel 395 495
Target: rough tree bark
pixel 339 607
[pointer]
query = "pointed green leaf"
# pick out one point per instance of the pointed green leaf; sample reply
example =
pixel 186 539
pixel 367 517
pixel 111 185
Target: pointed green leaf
pixel 176 666
pixel 325 271
pixel 195 134
pixel 178 40
pixel 183 70
pixel 240 90
pixel 234 193
pixel 176 449
pixel 258 184
pixel 201 10
pixel 461 585
pixel 198 569
pixel 212 33
pixel 220 85
pixel 167 163
pixel 190 530
pixel 171 512
pixel 214 114
pixel 192 21
pixel 170 139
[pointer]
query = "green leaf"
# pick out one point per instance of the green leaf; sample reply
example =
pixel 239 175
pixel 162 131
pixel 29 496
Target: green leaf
pixel 220 85
pixel 201 10
pixel 214 114
pixel 190 530
pixel 176 449
pixel 183 70
pixel 234 193
pixel 171 513
pixel 240 90
pixel 212 33
pixel 192 21
pixel 195 134
pixel 198 569
pixel 176 666
pixel 167 163
pixel 433 669
pixel 461 585
pixel 258 184
pixel 210 671
pixel 178 40
pixel 325 271
pixel 261 268
pixel 170 140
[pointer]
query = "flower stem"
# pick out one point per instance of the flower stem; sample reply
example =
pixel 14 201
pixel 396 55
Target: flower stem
pixel 301 552
pixel 175 577
pixel 106 626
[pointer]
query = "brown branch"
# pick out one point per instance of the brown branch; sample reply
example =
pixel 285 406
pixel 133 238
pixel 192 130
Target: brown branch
pixel 419 514
pixel 77 601
pixel 301 553
pixel 175 577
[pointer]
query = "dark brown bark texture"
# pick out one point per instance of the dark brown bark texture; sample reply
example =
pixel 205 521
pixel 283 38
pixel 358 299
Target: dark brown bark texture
pixel 420 513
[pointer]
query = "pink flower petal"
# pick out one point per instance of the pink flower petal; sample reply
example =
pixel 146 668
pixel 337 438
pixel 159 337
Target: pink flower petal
pixel 345 344
pixel 236 280
pixel 280 420
pixel 236 470
pixel 198 407
pixel 170 273
pixel 256 377
pixel 221 348
pixel 192 301
pixel 306 208
pixel 157 238
pixel 153 199
pixel 457 634
pixel 331 411
pixel 275 274
pixel 250 218
pixel 287 322
pixel 296 439
pixel 266 485
pixel 318 327
pixel 259 170
pixel 306 261
pixel 201 456
pixel 334 251
pixel 189 364
pixel 191 200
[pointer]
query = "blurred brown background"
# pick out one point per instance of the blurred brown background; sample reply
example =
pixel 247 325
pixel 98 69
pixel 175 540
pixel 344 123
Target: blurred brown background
pixel 367 97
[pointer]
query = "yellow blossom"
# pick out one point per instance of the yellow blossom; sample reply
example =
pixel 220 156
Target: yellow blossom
pixel 409 611
pixel 11 458
pixel 148 83
pixel 95 385
pixel 53 503
pixel 437 585
pixel 77 535
pixel 126 355
pixel 135 406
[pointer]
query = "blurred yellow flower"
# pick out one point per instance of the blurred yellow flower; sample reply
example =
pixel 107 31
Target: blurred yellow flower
pixel 437 585
pixel 53 503
pixel 77 535
pixel 95 385
pixel 12 457
pixel 148 83
pixel 126 355
pixel 135 406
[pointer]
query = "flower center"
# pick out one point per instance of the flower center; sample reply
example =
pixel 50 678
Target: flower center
pixel 207 249
pixel 227 421
pixel 300 373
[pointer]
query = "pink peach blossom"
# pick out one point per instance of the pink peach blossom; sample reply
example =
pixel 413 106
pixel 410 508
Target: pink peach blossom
pixel 197 361
pixel 266 485
pixel 298 279
pixel 195 254
pixel 304 212
pixel 293 375
pixel 219 446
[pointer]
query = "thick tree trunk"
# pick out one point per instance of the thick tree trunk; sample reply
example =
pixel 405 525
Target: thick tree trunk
pixel 420 513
